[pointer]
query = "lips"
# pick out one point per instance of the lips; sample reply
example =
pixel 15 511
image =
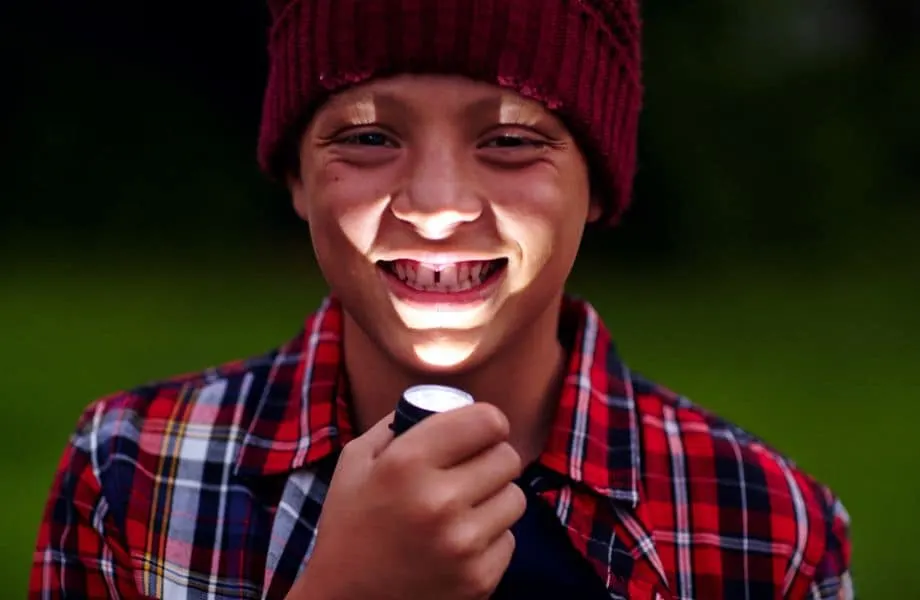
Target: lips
pixel 444 278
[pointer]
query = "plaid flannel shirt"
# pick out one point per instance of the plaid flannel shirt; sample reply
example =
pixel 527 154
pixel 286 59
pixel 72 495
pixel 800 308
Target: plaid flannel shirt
pixel 211 485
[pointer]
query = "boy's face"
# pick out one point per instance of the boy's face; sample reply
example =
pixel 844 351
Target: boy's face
pixel 445 214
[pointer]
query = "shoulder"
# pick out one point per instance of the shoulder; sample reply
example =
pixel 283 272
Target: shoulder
pixel 139 414
pixel 134 438
pixel 737 491
pixel 138 466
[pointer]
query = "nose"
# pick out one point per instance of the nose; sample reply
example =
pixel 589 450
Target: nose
pixel 438 196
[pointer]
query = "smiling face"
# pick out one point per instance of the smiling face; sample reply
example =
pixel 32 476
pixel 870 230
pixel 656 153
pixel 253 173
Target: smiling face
pixel 445 214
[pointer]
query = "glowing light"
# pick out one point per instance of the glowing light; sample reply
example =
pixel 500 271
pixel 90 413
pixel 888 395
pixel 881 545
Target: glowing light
pixel 362 111
pixel 444 353
pixel 362 222
pixel 446 317
pixel 441 225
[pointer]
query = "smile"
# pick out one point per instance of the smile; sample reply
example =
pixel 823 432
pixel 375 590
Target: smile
pixel 449 283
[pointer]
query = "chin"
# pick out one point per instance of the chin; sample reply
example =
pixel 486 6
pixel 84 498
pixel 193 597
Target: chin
pixel 446 357
pixel 444 354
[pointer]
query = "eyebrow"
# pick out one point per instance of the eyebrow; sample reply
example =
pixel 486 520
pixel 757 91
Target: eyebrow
pixel 364 107
pixel 361 110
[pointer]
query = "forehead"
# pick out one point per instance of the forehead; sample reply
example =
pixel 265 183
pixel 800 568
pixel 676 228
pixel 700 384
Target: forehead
pixel 434 94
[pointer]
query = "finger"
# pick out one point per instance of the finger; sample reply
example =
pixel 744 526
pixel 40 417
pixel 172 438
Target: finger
pixel 373 441
pixel 493 563
pixel 486 474
pixel 447 439
pixel 498 513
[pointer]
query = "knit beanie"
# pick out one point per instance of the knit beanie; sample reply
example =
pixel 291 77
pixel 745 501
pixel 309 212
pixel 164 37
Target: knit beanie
pixel 580 58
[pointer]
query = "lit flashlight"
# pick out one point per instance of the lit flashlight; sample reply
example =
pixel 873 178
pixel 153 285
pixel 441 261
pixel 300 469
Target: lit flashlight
pixel 421 401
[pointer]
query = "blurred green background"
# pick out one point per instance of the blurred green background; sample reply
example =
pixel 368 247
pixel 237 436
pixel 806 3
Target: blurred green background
pixel 769 268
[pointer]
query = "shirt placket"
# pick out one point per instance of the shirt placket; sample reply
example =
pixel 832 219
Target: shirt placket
pixel 596 529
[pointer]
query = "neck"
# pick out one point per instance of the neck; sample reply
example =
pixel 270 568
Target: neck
pixel 522 378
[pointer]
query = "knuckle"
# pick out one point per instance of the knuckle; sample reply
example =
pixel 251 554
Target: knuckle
pixel 437 503
pixel 494 420
pixel 510 543
pixel 517 500
pixel 401 459
pixel 348 454
pixel 480 579
pixel 510 457
pixel 459 541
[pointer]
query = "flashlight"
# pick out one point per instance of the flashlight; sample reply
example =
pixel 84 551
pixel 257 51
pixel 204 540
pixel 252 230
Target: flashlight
pixel 421 401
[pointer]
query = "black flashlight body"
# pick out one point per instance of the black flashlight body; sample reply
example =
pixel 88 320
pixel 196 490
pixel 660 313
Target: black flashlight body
pixel 421 401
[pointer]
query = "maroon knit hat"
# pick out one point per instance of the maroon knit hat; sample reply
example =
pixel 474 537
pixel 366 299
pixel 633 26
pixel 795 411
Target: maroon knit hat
pixel 581 58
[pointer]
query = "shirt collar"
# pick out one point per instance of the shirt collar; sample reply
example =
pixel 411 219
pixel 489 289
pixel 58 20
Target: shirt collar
pixel 595 435
pixel 302 413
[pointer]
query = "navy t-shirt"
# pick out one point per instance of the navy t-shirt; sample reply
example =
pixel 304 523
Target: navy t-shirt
pixel 545 564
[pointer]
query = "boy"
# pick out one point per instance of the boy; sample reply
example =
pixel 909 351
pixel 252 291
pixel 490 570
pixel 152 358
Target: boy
pixel 447 156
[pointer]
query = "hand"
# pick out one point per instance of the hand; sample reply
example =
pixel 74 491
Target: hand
pixel 426 515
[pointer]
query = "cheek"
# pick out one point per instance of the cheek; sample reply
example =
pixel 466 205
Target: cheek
pixel 348 204
pixel 542 216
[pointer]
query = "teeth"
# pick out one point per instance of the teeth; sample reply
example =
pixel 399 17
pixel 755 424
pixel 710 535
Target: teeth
pixel 448 278
pixel 424 276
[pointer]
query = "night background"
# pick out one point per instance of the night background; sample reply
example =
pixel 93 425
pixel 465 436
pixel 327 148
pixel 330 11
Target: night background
pixel 768 270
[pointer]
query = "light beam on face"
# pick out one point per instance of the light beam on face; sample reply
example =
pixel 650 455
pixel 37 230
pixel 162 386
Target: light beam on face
pixel 513 111
pixel 444 347
pixel 362 111
pixel 444 352
pixel 361 223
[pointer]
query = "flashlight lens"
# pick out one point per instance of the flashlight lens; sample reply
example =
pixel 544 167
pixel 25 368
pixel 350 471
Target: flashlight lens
pixel 437 398
pixel 421 401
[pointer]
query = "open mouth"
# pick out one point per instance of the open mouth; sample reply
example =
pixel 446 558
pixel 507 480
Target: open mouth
pixel 451 278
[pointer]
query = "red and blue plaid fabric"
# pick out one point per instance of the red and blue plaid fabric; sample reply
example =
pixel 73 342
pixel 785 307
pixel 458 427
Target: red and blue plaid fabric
pixel 211 485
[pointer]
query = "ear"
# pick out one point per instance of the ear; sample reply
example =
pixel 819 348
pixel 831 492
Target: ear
pixel 298 190
pixel 595 209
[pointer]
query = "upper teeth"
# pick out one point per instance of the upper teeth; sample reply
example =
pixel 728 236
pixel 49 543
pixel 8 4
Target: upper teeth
pixel 453 277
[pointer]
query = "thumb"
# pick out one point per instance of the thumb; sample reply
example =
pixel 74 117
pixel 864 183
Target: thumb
pixel 373 441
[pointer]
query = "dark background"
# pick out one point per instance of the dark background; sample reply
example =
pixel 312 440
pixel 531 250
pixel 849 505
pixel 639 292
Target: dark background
pixel 768 269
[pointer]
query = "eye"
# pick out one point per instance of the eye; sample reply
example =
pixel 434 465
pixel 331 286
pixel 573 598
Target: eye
pixel 367 138
pixel 513 141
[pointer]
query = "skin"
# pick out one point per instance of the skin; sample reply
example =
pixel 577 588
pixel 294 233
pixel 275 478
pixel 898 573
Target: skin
pixel 438 164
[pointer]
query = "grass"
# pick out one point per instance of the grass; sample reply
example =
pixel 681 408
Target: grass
pixel 822 364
